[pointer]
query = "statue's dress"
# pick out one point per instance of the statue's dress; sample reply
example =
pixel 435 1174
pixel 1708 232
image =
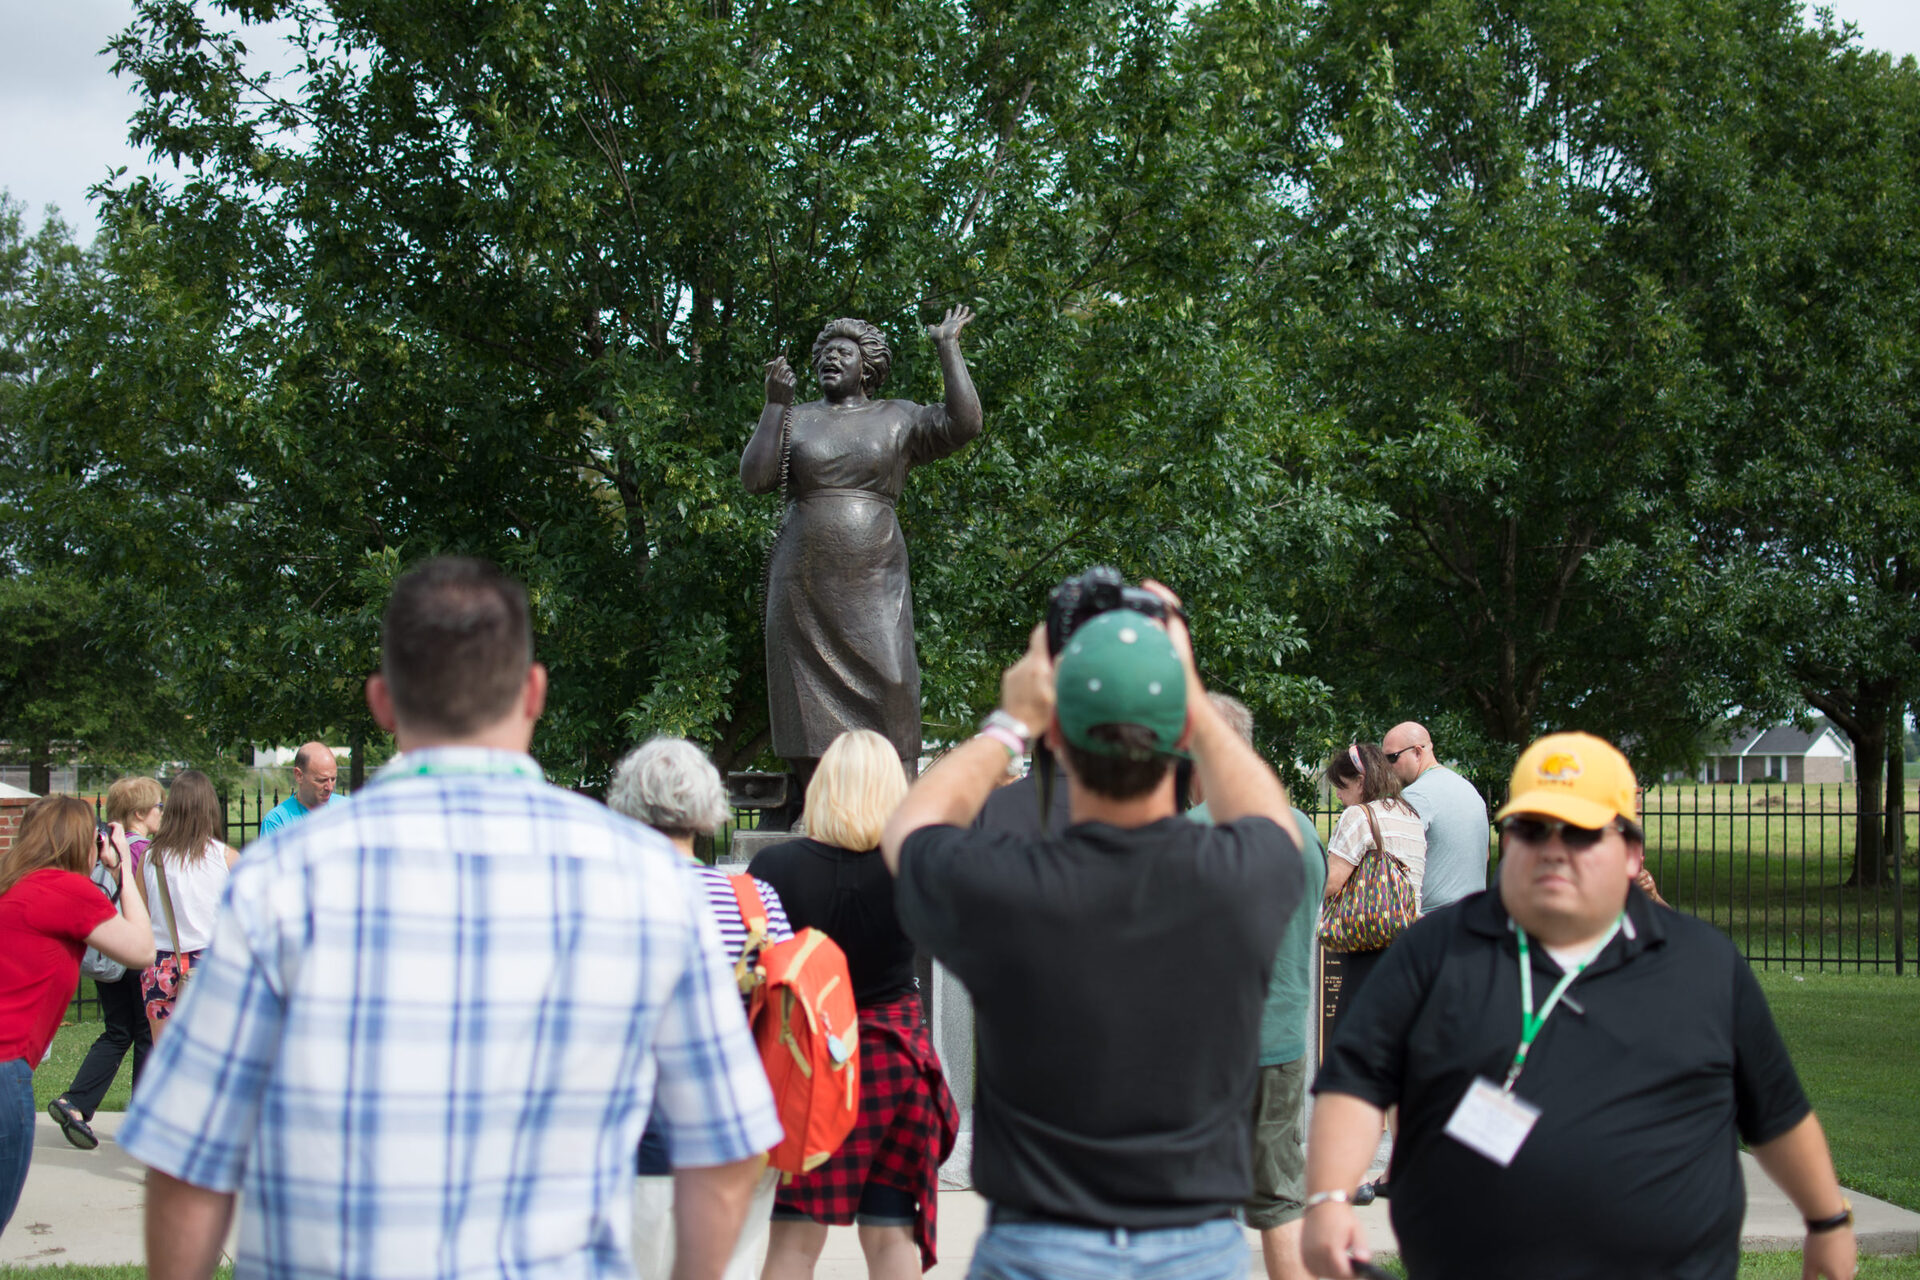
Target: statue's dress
pixel 839 602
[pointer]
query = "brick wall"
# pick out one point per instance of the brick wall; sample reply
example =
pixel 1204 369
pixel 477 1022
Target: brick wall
pixel 11 807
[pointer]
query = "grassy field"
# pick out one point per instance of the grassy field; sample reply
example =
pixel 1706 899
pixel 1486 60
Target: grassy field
pixel 1856 1044
pixel 70 1045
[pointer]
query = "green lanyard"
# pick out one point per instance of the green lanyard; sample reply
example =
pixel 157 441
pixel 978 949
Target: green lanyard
pixel 495 766
pixel 1531 1022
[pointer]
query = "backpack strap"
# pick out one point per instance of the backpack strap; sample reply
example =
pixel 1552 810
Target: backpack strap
pixel 753 914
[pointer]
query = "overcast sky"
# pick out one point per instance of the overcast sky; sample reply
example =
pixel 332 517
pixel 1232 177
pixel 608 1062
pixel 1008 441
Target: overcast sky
pixel 66 115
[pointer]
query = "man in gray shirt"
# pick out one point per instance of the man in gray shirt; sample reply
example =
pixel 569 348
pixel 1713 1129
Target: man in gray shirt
pixel 1450 809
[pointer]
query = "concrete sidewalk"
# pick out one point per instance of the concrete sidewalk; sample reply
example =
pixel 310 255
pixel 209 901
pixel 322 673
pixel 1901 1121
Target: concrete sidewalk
pixel 85 1207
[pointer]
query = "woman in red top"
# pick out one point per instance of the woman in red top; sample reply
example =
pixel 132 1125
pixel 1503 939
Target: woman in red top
pixel 50 913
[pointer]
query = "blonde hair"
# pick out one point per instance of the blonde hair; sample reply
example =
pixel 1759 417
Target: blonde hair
pixel 859 783
pixel 130 797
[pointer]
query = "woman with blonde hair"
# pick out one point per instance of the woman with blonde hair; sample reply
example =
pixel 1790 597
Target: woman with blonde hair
pixel 50 913
pixel 185 874
pixel 885 1175
pixel 135 804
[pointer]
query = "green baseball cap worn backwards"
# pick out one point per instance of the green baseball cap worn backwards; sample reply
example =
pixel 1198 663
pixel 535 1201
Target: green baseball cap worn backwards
pixel 1121 668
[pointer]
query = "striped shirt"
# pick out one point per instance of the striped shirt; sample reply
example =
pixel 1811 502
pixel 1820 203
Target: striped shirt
pixel 430 1025
pixel 726 911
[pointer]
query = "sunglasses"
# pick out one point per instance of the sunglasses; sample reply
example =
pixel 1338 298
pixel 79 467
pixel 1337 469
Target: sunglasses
pixel 1393 756
pixel 1574 838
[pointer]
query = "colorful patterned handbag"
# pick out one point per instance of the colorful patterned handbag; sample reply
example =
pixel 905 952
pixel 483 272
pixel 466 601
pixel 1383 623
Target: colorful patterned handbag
pixel 1375 904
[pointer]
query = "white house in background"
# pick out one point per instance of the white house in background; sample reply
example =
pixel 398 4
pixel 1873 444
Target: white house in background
pixel 1781 753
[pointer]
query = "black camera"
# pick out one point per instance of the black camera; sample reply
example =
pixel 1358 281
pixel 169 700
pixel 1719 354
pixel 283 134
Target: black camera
pixel 1099 590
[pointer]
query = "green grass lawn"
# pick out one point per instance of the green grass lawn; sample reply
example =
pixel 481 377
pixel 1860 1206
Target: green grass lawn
pixel 1856 1043
pixel 70 1046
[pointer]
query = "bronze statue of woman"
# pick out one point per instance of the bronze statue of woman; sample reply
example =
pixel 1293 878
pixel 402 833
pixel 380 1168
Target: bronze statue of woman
pixel 839 603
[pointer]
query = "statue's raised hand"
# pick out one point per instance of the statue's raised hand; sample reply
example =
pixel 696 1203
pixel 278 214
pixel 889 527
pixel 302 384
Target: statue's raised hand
pixel 780 381
pixel 948 330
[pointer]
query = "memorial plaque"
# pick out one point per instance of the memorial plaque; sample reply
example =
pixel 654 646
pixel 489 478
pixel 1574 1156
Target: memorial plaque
pixel 1327 975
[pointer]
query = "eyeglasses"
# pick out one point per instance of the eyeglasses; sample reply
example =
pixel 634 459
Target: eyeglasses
pixel 1393 756
pixel 1576 839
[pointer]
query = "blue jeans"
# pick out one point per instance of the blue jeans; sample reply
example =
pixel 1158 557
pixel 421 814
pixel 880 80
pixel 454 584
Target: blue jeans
pixel 16 1133
pixel 1054 1251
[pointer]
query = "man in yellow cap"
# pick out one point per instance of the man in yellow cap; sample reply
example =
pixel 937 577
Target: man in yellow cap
pixel 1573 1064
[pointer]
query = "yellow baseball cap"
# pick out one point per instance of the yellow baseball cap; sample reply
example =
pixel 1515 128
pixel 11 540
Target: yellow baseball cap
pixel 1576 778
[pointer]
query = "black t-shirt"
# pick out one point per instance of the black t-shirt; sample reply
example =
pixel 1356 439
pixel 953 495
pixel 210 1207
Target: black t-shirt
pixel 849 897
pixel 1658 1054
pixel 1015 807
pixel 1117 978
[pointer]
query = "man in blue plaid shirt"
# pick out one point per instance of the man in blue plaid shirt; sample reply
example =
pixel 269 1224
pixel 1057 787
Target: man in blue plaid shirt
pixel 433 1017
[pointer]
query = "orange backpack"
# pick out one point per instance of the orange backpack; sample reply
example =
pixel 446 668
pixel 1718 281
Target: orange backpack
pixel 808 1030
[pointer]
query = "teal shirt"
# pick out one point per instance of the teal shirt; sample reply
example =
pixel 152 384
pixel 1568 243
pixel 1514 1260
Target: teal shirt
pixel 1283 1019
pixel 288 810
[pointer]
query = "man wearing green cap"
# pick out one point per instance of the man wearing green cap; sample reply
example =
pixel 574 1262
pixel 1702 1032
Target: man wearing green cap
pixel 1573 1065
pixel 1117 969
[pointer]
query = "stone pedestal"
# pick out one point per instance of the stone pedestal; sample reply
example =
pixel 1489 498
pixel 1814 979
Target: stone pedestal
pixel 950 1019
pixel 745 844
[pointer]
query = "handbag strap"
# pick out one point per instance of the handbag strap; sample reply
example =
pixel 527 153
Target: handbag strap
pixel 1379 841
pixel 166 905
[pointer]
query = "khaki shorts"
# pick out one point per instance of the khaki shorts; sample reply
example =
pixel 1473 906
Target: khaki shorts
pixel 1279 1156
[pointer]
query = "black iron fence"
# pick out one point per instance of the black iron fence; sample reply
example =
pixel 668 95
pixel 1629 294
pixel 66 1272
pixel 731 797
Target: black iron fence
pixel 1770 864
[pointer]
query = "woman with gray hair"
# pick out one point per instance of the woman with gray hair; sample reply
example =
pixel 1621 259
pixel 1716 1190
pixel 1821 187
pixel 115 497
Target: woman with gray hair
pixel 670 785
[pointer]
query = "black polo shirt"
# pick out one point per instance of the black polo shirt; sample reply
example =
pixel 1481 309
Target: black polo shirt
pixel 1117 978
pixel 1660 1053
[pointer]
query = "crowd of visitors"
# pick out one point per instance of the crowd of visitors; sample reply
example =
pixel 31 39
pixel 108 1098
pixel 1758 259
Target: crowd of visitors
pixel 470 1022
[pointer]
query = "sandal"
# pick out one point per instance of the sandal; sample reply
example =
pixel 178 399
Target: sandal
pixel 77 1131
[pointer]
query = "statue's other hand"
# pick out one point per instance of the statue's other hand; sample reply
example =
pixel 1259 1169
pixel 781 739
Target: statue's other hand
pixel 948 330
pixel 780 381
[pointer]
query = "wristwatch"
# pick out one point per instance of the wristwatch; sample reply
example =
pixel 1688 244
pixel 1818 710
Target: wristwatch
pixel 1012 734
pixel 1844 1218
pixel 1008 730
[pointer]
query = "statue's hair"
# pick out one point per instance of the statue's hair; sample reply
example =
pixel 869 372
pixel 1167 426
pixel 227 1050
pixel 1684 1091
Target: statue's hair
pixel 876 357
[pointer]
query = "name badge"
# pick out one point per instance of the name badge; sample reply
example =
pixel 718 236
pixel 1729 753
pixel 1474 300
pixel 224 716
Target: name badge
pixel 1492 1121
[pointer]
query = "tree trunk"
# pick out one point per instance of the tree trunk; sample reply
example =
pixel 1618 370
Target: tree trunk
pixel 1870 774
pixel 40 768
pixel 357 759
pixel 1893 835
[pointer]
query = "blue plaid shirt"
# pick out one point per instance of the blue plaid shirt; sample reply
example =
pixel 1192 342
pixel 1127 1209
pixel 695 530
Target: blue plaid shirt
pixel 427 1033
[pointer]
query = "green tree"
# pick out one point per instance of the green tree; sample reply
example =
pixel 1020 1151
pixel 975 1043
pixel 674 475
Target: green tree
pixel 1510 362
pixel 500 280
pixel 1809 535
pixel 81 678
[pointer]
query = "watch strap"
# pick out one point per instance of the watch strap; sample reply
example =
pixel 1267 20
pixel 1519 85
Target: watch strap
pixel 1841 1219
pixel 1015 728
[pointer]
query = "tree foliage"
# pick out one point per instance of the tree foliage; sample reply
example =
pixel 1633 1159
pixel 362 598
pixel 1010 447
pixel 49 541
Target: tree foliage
pixel 1478 363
